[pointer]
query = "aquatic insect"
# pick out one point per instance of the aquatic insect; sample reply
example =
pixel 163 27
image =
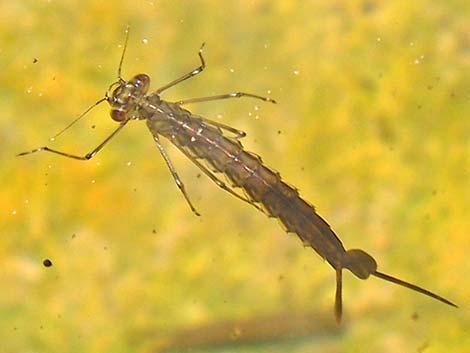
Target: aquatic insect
pixel 202 140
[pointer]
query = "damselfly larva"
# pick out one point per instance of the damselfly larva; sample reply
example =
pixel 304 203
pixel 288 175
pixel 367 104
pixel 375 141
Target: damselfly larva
pixel 203 140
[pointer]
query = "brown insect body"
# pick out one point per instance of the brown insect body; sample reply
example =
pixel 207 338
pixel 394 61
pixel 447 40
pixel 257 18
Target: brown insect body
pixel 206 141
pixel 226 155
pixel 199 139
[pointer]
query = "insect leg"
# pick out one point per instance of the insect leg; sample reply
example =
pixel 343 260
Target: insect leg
pixel 173 172
pixel 225 96
pixel 238 133
pixel 87 156
pixel 188 75
pixel 216 180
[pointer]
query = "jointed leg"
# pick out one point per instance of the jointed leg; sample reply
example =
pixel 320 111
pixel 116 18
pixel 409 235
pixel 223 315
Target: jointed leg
pixel 224 96
pixel 177 179
pixel 188 75
pixel 87 156
pixel 238 133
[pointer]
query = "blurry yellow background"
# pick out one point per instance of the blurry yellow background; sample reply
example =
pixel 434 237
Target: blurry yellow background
pixel 372 127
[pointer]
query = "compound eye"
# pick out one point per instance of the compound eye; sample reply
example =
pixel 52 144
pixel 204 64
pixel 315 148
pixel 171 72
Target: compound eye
pixel 118 115
pixel 142 82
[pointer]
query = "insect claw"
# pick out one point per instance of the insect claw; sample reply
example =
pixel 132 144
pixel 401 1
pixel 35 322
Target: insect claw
pixel 271 100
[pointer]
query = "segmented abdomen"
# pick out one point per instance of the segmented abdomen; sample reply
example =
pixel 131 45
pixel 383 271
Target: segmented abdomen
pixel 246 170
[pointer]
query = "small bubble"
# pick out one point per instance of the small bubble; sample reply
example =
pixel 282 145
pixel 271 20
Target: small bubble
pixel 145 40
pixel 40 94
pixel 256 107
pixel 93 181
pixel 379 39
pixel 29 90
pixel 250 113
pixel 219 116
pixel 193 139
pixel 26 201
pixel 129 163
pixel 269 91
pixel 13 212
pixel 296 72
pixel 98 163
pixel 232 70
pixel 52 139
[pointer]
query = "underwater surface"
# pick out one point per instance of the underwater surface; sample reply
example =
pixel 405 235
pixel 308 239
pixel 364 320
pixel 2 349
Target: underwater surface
pixel 371 126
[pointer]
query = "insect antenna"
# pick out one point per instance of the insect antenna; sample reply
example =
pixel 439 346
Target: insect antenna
pixel 128 27
pixel 78 118
pixel 412 287
pixel 102 99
